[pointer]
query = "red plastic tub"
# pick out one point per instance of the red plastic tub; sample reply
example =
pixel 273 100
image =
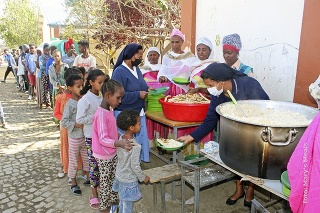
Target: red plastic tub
pixel 184 112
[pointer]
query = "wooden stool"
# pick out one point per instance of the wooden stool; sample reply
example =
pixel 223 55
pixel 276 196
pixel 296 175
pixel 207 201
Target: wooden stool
pixel 163 175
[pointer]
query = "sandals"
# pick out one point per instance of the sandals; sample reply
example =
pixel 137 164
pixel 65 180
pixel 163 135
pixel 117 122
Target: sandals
pixel 76 190
pixel 86 183
pixel 94 203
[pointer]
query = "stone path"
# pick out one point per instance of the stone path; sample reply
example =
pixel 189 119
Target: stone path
pixel 29 156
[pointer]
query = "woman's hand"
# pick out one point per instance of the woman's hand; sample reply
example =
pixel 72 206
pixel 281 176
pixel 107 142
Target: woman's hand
pixel 163 79
pixel 124 144
pixel 143 94
pixel 186 139
pixel 193 91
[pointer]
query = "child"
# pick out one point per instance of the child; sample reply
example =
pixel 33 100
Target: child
pixel 75 133
pixel 105 141
pixel 46 91
pixel 56 74
pixel 3 122
pixel 87 106
pixel 128 170
pixel 61 101
pixel 31 59
pixel 85 60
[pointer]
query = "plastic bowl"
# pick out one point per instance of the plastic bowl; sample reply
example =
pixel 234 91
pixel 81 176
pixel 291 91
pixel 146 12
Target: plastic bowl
pixel 286 188
pixel 199 163
pixel 184 112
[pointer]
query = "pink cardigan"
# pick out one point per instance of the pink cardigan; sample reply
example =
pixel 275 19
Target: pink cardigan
pixel 104 134
pixel 304 171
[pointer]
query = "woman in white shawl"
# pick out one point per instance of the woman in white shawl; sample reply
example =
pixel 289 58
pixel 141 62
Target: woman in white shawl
pixel 204 49
pixel 176 64
pixel 152 65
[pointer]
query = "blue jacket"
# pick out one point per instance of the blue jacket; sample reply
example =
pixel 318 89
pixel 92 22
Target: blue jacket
pixel 243 88
pixel 132 87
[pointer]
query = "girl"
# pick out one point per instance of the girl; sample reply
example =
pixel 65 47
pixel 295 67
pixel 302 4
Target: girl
pixel 75 133
pixel 105 141
pixel 46 91
pixel 61 101
pixel 38 79
pixel 56 74
pixel 87 106
pixel 128 170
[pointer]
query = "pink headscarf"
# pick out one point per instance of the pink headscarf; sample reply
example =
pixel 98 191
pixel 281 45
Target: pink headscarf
pixel 176 32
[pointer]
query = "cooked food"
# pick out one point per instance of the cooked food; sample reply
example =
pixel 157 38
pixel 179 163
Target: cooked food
pixel 265 117
pixel 169 143
pixel 188 99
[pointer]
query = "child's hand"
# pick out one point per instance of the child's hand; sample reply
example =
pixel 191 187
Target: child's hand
pixel 124 144
pixel 146 180
pixel 78 126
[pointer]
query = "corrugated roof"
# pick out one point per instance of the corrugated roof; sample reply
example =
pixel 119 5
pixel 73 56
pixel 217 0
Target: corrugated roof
pixel 55 14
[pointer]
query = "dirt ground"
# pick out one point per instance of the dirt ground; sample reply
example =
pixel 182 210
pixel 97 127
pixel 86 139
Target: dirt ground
pixel 212 199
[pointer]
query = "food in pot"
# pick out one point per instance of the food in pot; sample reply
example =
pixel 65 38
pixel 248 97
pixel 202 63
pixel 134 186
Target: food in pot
pixel 266 117
pixel 169 143
pixel 188 99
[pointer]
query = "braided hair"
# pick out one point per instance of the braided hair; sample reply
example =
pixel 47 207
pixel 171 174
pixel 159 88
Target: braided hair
pixel 93 74
pixel 110 85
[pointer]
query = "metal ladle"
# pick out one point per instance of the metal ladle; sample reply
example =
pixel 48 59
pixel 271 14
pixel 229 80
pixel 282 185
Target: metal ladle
pixel 236 103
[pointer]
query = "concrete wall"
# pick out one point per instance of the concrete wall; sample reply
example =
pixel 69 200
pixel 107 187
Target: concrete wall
pixel 270 34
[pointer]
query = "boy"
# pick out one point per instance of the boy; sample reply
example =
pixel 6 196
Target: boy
pixel 31 59
pixel 85 60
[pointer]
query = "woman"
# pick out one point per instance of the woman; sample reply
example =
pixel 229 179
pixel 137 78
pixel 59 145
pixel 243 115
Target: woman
pixel 46 91
pixel 176 64
pixel 38 79
pixel 219 78
pixel 127 72
pixel 71 54
pixel 56 74
pixel 231 47
pixel 152 65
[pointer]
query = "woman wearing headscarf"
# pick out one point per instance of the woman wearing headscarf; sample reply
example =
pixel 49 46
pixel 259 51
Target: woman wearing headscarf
pixel 127 72
pixel 219 78
pixel 231 47
pixel 46 90
pixel 152 65
pixel 176 64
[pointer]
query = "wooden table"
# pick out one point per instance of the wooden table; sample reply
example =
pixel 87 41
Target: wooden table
pixel 159 118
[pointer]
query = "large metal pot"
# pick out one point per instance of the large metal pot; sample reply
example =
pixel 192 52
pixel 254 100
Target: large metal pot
pixel 258 150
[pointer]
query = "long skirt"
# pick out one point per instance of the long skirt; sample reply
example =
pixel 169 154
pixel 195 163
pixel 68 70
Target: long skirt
pixel 38 88
pixel 46 91
pixel 141 137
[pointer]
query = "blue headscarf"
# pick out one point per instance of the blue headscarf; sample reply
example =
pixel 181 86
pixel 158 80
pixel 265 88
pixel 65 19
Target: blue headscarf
pixel 222 72
pixel 127 53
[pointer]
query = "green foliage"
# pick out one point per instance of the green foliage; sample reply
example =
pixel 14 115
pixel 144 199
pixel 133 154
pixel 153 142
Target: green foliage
pixel 19 23
pixel 71 32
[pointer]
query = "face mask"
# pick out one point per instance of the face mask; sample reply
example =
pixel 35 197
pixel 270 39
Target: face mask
pixel 136 62
pixel 214 91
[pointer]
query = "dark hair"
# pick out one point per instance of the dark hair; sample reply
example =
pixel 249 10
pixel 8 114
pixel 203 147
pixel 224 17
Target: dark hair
pixel 127 118
pixel 82 69
pixel 205 75
pixel 71 79
pixel 84 43
pixel 32 45
pixel 52 48
pixel 110 85
pixel 5 50
pixel 45 45
pixel 71 71
pixel 20 47
pixel 93 74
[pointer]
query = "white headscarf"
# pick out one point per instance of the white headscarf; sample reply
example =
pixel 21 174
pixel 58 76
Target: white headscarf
pixel 147 67
pixel 207 42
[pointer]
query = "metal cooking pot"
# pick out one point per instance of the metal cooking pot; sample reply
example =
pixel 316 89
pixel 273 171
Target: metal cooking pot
pixel 259 150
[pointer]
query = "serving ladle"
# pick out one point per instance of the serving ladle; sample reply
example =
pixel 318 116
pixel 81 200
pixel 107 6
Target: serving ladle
pixel 236 103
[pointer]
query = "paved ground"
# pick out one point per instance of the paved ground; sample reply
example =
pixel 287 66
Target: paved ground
pixel 29 157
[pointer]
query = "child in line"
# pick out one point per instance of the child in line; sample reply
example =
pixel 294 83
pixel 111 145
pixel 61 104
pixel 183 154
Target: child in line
pixel 75 133
pixel 31 59
pixel 105 141
pixel 3 122
pixel 128 171
pixel 61 101
pixel 87 106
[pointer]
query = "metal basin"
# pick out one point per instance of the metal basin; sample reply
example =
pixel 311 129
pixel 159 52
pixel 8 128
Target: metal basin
pixel 259 150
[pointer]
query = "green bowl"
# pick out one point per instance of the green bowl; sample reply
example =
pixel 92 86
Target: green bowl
pixel 285 183
pixel 181 81
pixel 200 163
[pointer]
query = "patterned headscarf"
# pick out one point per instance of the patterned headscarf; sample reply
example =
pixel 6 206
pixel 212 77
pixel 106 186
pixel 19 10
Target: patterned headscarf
pixel 232 42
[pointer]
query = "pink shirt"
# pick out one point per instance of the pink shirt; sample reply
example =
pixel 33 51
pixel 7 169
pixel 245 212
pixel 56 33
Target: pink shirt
pixel 104 134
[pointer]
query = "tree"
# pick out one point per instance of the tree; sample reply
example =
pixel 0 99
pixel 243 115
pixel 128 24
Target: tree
pixel 114 23
pixel 19 23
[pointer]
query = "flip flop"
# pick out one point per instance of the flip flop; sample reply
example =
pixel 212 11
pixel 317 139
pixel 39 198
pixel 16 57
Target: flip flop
pixel 94 203
pixel 76 190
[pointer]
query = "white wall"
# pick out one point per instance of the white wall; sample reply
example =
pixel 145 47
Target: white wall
pixel 270 34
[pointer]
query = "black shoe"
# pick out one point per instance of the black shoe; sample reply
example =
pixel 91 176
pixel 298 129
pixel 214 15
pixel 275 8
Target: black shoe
pixel 247 203
pixel 3 81
pixel 232 202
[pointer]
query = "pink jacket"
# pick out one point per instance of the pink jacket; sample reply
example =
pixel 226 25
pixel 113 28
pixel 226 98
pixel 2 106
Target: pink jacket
pixel 304 171
pixel 104 134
